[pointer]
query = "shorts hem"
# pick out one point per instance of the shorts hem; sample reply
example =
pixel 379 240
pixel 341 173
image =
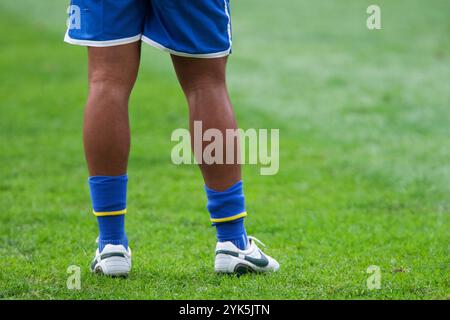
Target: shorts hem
pixel 185 54
pixel 106 43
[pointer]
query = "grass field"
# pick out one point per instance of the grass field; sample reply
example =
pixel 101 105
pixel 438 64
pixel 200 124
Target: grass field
pixel 364 157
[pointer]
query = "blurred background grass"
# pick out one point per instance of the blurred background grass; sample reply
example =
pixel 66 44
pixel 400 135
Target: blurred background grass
pixel 364 170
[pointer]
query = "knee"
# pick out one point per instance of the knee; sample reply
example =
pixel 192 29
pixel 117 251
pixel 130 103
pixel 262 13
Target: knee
pixel 209 85
pixel 107 87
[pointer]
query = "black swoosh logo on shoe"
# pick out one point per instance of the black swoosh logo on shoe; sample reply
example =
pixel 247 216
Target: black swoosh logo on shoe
pixel 259 262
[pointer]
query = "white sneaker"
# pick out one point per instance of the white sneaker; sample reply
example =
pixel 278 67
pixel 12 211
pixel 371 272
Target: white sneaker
pixel 230 259
pixel 114 260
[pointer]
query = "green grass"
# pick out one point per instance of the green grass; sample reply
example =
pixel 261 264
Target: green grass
pixel 364 157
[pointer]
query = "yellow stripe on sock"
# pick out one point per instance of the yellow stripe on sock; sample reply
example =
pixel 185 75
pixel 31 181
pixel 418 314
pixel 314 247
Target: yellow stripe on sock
pixel 110 213
pixel 235 217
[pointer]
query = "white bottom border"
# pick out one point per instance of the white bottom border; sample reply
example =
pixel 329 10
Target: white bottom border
pixel 118 42
pixel 184 54
pixel 108 43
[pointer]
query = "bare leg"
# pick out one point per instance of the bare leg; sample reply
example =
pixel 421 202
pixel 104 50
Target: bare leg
pixel 106 134
pixel 204 84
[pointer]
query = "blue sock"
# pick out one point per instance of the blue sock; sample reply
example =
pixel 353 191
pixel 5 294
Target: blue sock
pixel 233 231
pixel 227 211
pixel 109 201
pixel 112 231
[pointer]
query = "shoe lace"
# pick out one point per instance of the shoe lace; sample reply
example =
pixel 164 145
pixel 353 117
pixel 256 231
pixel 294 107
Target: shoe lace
pixel 256 240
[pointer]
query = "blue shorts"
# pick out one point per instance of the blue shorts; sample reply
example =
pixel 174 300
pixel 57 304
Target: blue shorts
pixel 192 28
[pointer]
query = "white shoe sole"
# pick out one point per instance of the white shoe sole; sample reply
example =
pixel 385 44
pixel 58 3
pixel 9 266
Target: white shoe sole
pixel 114 266
pixel 225 263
